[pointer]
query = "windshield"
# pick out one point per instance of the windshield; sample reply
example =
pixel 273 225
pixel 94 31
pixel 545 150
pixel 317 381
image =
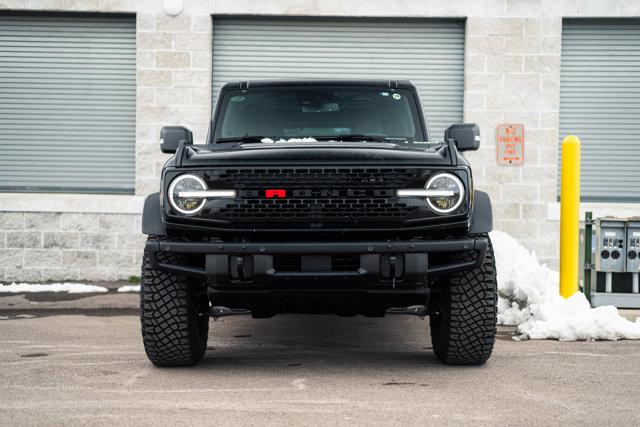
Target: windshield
pixel 323 112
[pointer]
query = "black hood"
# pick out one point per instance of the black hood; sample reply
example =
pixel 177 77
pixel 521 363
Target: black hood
pixel 309 153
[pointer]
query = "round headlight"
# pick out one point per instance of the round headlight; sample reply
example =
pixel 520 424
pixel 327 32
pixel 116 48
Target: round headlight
pixel 181 184
pixel 452 193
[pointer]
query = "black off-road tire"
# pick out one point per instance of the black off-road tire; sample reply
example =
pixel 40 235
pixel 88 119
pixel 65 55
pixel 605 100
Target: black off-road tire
pixel 463 319
pixel 174 315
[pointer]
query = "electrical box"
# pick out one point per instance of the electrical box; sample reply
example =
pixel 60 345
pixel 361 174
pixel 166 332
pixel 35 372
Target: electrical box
pixel 616 251
pixel 611 253
pixel 633 245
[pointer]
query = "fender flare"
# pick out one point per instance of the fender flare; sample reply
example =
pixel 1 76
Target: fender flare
pixel 482 214
pixel 152 224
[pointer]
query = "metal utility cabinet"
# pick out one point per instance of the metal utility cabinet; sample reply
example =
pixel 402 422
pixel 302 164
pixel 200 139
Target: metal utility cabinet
pixel 633 252
pixel 616 250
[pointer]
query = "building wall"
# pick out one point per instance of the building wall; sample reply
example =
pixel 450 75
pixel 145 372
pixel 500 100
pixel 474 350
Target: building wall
pixel 70 246
pixel 512 74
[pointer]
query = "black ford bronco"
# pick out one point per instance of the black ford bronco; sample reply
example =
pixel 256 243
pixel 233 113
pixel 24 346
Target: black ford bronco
pixel 318 196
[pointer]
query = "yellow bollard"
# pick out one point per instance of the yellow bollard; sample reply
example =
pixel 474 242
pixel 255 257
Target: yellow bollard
pixel 569 216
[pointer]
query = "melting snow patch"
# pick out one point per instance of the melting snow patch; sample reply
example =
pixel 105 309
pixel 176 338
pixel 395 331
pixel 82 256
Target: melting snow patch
pixel 129 288
pixel 529 298
pixel 306 139
pixel 72 288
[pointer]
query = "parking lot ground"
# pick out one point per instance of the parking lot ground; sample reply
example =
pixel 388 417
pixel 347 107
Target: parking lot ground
pixel 59 368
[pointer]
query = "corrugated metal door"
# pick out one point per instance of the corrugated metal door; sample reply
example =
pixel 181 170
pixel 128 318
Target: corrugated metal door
pixel 67 103
pixel 430 53
pixel 600 102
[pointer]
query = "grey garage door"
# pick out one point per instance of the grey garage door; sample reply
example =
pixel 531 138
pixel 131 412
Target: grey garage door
pixel 67 103
pixel 430 53
pixel 600 102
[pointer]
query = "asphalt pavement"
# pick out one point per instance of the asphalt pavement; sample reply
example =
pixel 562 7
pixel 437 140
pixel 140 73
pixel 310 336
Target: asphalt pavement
pixel 66 366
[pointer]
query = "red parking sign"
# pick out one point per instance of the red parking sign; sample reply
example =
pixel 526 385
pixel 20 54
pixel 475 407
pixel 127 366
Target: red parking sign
pixel 510 144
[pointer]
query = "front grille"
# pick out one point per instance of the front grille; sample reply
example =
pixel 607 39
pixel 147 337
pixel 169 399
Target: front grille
pixel 341 177
pixel 317 196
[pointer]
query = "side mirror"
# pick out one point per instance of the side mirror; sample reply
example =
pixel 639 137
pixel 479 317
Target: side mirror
pixel 465 135
pixel 171 136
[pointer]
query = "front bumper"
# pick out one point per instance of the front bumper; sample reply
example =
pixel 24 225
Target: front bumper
pixel 370 266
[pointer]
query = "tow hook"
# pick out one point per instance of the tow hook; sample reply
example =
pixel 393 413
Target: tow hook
pixel 392 268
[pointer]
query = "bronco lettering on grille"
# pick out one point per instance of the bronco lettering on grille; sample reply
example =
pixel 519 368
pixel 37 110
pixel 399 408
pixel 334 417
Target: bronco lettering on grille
pixel 323 192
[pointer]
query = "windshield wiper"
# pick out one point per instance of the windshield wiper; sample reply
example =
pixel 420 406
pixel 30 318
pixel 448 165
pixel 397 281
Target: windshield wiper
pixel 243 139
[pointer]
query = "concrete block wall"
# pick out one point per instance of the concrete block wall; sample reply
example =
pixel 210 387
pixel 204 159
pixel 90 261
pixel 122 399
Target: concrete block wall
pixel 36 246
pixel 512 74
pixel 173 83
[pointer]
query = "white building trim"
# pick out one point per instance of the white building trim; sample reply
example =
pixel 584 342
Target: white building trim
pixel 599 210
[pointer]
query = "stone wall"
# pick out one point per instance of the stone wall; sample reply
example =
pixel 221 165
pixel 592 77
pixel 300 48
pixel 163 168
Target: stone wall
pixel 512 74
pixel 174 85
pixel 69 246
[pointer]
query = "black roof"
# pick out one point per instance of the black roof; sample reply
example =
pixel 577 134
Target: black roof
pixel 318 82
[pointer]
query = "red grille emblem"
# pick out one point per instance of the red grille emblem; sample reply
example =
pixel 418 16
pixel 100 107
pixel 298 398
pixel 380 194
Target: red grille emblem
pixel 276 194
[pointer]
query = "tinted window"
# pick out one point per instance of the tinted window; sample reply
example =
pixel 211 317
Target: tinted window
pixel 319 111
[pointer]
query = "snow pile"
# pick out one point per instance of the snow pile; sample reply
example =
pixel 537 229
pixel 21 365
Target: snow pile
pixel 129 288
pixel 306 139
pixel 529 298
pixel 72 288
